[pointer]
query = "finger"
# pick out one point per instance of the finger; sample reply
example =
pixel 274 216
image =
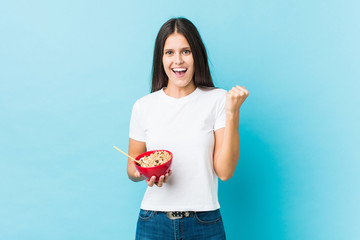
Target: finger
pixel 241 91
pixel 166 177
pixel 137 174
pixel 242 88
pixel 151 181
pixel 168 174
pixel 161 180
pixel 231 93
pixel 236 90
pixel 234 93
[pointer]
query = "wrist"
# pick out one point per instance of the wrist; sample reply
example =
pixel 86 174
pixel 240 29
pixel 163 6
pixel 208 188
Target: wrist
pixel 137 179
pixel 232 115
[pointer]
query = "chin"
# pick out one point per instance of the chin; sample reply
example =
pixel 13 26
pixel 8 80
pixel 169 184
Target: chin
pixel 182 83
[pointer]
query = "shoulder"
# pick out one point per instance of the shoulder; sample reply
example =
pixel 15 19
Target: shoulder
pixel 147 100
pixel 213 97
pixel 212 92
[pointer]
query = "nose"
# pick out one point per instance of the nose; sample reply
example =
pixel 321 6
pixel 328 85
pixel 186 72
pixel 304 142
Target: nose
pixel 179 59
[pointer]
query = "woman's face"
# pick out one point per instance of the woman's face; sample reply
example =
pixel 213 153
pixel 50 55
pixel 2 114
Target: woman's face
pixel 178 61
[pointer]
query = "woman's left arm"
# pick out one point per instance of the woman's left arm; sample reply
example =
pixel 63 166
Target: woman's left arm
pixel 227 142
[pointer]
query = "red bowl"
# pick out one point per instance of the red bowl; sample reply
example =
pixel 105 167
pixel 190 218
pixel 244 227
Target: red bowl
pixel 157 171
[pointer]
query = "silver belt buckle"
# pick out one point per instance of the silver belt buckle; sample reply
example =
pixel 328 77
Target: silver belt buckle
pixel 176 215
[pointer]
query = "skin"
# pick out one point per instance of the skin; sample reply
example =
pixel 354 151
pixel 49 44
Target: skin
pixel 227 141
pixel 177 53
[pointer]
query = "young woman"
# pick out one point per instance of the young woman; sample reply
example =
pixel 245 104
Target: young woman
pixel 198 123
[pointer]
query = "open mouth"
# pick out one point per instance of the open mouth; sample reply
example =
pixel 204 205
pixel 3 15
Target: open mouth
pixel 179 72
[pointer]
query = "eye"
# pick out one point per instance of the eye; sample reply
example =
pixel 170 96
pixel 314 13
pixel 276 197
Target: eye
pixel 186 52
pixel 168 52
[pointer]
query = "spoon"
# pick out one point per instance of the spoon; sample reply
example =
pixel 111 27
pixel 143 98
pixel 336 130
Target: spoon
pixel 137 161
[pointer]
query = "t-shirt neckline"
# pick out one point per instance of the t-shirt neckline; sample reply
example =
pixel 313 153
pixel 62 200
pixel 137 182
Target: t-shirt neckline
pixel 185 98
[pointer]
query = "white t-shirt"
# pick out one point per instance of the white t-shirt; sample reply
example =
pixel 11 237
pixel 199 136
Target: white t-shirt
pixel 184 126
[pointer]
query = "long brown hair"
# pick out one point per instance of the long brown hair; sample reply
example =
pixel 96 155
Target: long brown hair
pixel 202 76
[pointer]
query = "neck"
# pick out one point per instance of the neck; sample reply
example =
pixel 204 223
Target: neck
pixel 179 92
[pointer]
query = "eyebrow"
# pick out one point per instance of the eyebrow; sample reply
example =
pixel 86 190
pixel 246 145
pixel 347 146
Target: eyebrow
pixel 181 49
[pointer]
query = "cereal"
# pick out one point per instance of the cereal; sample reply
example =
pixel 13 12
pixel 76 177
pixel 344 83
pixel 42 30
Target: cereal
pixel 155 159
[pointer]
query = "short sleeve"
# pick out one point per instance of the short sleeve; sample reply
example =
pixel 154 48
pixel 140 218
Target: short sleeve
pixel 137 131
pixel 220 119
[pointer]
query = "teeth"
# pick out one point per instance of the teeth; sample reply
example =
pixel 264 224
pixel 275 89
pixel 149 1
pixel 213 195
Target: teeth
pixel 179 69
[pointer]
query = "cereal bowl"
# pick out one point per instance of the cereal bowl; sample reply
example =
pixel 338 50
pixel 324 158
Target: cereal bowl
pixel 148 159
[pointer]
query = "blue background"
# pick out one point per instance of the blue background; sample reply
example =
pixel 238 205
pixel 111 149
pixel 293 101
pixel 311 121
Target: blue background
pixel 71 70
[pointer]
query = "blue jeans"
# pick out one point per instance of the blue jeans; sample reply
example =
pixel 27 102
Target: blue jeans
pixel 154 225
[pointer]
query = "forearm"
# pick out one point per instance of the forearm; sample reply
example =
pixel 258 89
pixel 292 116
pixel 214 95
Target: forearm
pixel 135 149
pixel 230 150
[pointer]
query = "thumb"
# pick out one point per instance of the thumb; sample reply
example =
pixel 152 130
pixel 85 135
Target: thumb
pixel 137 173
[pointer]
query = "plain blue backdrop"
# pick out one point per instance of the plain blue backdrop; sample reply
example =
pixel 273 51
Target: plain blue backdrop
pixel 71 70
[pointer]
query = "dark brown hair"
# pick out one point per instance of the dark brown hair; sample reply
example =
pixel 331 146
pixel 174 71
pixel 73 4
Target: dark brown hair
pixel 202 76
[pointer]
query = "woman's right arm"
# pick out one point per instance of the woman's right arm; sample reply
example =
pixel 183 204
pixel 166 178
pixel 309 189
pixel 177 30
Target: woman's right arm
pixel 135 148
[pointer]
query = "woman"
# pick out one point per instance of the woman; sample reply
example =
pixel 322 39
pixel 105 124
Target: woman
pixel 198 123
